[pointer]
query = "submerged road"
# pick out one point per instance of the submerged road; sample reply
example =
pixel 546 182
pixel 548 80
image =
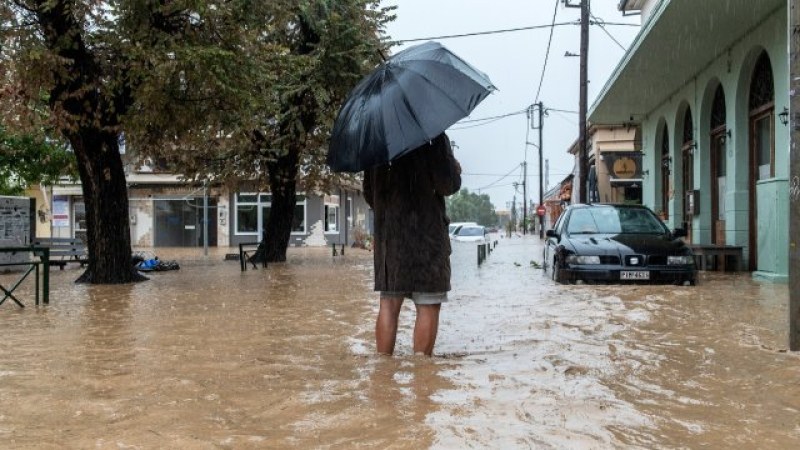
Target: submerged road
pixel 210 357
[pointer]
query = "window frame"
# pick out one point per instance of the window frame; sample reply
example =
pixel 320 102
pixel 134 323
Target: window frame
pixel 259 204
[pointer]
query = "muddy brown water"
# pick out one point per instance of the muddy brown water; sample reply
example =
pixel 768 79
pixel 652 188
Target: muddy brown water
pixel 210 357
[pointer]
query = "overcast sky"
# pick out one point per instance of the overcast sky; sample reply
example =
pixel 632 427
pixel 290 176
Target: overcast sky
pixel 514 62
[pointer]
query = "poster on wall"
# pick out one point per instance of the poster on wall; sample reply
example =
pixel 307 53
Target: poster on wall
pixel 60 211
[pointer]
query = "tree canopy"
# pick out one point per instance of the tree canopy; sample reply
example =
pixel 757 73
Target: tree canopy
pixel 221 90
pixel 465 206
pixel 26 160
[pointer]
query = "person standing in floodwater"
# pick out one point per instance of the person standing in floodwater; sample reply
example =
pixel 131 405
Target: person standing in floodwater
pixel 412 247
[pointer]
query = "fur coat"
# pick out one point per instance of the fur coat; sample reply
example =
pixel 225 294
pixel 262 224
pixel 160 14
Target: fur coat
pixel 412 246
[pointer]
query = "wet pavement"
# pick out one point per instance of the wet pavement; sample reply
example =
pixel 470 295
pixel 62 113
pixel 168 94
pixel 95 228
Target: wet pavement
pixel 210 357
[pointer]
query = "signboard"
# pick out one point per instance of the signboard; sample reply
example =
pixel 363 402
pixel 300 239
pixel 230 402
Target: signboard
pixel 623 165
pixel 60 211
pixel 540 210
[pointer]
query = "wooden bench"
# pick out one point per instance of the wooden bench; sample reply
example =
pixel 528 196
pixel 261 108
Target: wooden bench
pixel 64 250
pixel 716 257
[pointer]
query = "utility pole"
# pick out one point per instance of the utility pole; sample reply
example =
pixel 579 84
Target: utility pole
pixel 583 157
pixel 540 127
pixel 794 176
pixel 525 195
pixel 541 179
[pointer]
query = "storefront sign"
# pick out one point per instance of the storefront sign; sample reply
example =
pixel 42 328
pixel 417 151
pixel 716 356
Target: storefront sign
pixel 60 211
pixel 624 165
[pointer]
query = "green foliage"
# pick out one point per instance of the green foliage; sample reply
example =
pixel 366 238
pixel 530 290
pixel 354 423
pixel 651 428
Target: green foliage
pixel 277 82
pixel 215 89
pixel 465 206
pixel 26 160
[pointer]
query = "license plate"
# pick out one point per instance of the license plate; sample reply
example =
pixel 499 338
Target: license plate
pixel 634 275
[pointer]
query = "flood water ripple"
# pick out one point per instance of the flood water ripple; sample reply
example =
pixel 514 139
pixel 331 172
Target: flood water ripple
pixel 211 357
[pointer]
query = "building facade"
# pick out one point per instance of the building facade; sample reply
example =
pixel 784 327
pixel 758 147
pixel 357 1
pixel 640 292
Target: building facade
pixel 707 84
pixel 165 211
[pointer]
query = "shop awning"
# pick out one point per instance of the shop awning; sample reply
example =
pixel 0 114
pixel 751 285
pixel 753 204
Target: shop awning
pixel 679 40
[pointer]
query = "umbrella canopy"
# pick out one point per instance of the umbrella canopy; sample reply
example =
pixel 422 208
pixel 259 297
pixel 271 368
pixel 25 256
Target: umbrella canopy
pixel 407 101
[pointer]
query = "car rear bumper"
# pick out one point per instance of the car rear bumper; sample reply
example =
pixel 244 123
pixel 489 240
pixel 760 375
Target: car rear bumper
pixel 661 274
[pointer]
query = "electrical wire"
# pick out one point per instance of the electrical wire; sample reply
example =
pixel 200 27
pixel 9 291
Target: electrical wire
pixel 513 30
pixel 482 33
pixel 601 23
pixel 547 53
pixel 477 124
pixel 565 117
pixel 503 177
pixel 502 116
pixel 495 187
pixel 492 119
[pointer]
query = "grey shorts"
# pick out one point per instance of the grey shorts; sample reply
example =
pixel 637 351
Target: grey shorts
pixel 419 298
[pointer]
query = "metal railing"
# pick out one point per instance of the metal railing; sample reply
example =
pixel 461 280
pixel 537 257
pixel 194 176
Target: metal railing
pixel 43 253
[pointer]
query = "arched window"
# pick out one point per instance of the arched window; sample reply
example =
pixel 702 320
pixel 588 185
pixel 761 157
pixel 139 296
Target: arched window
pixel 762 118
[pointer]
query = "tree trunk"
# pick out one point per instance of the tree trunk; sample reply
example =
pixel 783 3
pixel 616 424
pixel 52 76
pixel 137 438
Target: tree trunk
pixel 106 197
pixel 283 187
pixel 78 91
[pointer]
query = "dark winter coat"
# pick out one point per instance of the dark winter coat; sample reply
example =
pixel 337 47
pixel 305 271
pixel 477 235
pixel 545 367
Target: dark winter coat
pixel 412 246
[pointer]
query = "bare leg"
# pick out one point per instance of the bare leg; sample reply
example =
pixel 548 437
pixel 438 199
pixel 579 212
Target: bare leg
pixel 426 328
pixel 386 325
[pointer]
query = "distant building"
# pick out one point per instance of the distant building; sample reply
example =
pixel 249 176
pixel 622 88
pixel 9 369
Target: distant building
pixel 168 212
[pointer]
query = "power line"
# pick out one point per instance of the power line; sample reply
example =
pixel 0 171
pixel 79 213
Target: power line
pixel 502 178
pixel 565 117
pixel 547 53
pixel 493 119
pixel 597 21
pixel 617 24
pixel 481 33
pixel 478 124
pixel 601 23
pixel 500 174
pixel 502 116
pixel 495 187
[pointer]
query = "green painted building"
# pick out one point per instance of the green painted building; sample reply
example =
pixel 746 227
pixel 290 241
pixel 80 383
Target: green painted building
pixel 707 84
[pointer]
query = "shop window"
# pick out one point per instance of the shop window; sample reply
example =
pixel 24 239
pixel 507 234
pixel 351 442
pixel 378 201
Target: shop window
pixel 247 214
pixel 299 220
pixel 253 210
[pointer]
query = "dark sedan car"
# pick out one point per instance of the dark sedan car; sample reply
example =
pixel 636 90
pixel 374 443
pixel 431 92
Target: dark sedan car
pixel 616 243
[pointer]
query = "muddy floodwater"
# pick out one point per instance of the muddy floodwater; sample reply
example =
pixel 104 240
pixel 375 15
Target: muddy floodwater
pixel 210 357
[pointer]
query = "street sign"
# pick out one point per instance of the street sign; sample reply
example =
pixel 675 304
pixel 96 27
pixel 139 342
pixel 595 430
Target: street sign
pixel 540 210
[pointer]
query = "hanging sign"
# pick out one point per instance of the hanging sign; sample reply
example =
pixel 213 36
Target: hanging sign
pixel 624 165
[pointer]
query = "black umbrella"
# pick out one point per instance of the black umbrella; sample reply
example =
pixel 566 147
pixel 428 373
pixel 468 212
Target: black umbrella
pixel 407 101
